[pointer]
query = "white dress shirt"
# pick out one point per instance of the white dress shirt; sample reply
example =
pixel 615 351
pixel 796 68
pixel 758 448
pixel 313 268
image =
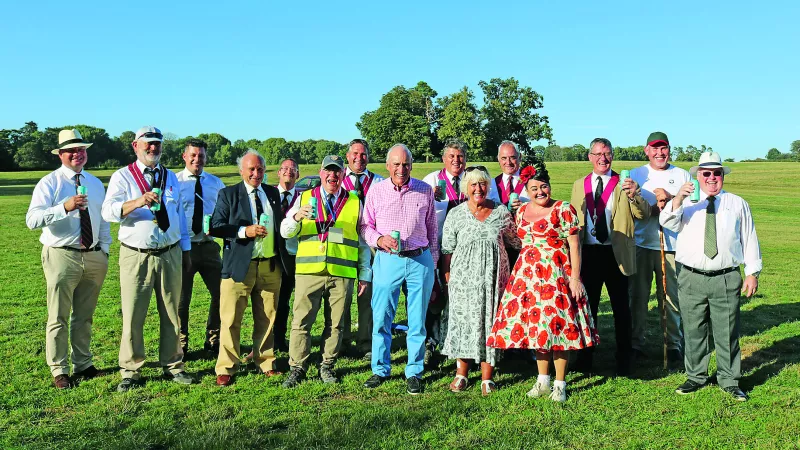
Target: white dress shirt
pixel 139 229
pixel 670 179
pixel 290 229
pixel 737 242
pixel 432 179
pixel 592 240
pixel 211 186
pixel 59 227
pixel 494 192
pixel 291 243
pixel 262 247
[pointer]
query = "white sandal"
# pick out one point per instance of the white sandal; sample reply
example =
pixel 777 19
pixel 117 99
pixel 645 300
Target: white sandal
pixel 487 387
pixel 459 384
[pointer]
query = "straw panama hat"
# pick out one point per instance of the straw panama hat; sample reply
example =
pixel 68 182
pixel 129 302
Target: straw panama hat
pixel 709 160
pixel 70 139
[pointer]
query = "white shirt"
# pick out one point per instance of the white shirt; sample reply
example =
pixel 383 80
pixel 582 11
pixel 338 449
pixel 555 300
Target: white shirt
pixel 211 186
pixel 591 240
pixel 432 179
pixel 494 192
pixel 291 243
pixel 259 244
pixel 59 227
pixel 290 229
pixel 737 242
pixel 670 179
pixel 138 229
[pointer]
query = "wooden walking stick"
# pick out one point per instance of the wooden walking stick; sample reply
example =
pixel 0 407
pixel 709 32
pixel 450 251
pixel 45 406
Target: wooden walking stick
pixel 664 301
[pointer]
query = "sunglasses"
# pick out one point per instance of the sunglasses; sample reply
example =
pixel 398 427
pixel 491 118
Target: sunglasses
pixel 708 173
pixel 152 135
pixel 481 168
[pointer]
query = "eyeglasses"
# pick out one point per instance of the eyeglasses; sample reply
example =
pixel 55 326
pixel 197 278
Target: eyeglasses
pixel 708 173
pixel 608 155
pixel 481 168
pixel 287 170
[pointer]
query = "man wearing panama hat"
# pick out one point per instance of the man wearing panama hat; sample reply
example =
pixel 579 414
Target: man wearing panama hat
pixel 66 205
pixel 716 234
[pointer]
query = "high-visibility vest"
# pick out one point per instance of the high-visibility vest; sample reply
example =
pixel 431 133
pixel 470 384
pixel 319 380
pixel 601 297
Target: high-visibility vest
pixel 340 260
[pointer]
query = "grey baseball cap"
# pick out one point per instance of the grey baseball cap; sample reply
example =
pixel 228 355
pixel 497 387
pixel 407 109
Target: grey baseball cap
pixel 334 162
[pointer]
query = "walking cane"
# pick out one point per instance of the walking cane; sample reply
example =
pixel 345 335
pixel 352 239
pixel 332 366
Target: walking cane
pixel 663 302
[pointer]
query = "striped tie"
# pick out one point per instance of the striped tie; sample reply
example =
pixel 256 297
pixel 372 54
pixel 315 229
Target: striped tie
pixel 710 247
pixel 87 237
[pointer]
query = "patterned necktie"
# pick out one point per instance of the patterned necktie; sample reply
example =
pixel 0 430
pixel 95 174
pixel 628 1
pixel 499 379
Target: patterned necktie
pixel 600 226
pixel 509 190
pixel 710 246
pixel 456 187
pixel 358 187
pixel 285 203
pixel 87 236
pixel 197 218
pixel 259 206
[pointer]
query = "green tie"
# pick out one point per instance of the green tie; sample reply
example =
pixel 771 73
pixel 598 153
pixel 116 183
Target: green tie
pixel 710 247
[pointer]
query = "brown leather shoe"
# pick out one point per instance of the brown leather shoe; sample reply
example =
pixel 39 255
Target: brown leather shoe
pixel 62 382
pixel 272 373
pixel 224 380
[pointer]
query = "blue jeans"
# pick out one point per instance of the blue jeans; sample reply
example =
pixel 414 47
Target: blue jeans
pixel 388 273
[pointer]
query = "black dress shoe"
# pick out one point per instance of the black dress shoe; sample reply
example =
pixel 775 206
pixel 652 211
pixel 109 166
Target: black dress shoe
pixel 737 393
pixel 375 381
pixel 688 387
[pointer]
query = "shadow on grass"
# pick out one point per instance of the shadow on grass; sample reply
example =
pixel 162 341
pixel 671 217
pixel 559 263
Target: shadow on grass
pixel 764 317
pixel 769 361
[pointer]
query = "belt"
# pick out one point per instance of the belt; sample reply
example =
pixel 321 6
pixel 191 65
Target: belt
pixel 408 253
pixel 711 273
pixel 150 251
pixel 96 248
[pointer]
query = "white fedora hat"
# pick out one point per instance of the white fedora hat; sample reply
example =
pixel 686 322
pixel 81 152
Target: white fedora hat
pixel 70 139
pixel 709 160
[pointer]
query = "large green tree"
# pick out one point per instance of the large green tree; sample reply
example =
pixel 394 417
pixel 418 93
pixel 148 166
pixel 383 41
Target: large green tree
pixel 510 112
pixel 794 149
pixel 460 118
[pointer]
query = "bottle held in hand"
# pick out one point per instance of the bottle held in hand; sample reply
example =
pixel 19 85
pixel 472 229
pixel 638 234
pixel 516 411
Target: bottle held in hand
pixel 156 206
pixel 82 191
pixel 396 236
pixel 313 202
pixel 695 196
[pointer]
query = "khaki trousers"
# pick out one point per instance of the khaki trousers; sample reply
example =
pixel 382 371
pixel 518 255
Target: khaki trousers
pixel 262 285
pixel 139 275
pixel 311 292
pixel 206 261
pixel 648 262
pixel 74 280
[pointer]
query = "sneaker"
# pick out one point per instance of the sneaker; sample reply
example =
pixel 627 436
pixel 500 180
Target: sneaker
pixel 539 390
pixel 375 381
pixel 127 384
pixel 296 376
pixel 688 387
pixel 738 394
pixel 559 394
pixel 327 374
pixel 414 385
pixel 180 378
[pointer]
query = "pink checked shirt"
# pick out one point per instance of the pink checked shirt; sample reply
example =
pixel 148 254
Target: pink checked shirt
pixel 410 211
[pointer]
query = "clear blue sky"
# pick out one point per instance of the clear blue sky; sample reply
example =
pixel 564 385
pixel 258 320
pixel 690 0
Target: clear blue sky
pixel 723 74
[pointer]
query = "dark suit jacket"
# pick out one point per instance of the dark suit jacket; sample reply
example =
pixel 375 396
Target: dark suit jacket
pixel 233 211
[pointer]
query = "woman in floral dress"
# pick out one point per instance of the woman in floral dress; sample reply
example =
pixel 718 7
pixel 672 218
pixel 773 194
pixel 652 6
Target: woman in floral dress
pixel 475 266
pixel 544 307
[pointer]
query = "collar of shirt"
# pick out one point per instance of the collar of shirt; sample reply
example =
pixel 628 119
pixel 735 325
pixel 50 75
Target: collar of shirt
pixel 142 166
pixel 349 172
pixel 512 176
pixel 450 175
pixel 69 173
pixel 606 176
pixel 250 189
pixel 291 191
pixel 187 174
pixel 406 186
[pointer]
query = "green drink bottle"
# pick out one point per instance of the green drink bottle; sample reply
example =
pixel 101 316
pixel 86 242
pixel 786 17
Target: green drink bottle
pixel 396 236
pixel 263 220
pixel 695 196
pixel 206 223
pixel 443 189
pixel 156 206
pixel 82 191
pixel 624 174
pixel 512 197
pixel 313 202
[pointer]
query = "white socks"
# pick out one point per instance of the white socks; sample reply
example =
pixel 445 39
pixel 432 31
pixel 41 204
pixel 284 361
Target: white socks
pixel 561 384
pixel 543 379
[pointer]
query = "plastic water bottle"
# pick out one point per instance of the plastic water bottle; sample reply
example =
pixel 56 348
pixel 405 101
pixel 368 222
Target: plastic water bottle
pixel 156 206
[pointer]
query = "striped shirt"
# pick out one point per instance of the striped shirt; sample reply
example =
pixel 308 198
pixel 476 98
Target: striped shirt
pixel 410 211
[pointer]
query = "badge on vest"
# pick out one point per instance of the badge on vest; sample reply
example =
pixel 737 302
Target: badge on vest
pixel 335 235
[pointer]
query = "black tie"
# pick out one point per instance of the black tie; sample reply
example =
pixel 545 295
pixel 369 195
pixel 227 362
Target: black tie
pixel 197 218
pixel 359 188
pixel 600 226
pixel 259 206
pixel 148 175
pixel 162 217
pixel 87 237
pixel 329 202
pixel 456 187
pixel 285 203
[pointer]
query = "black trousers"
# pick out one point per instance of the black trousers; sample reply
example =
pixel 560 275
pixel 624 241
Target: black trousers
pixel 599 267
pixel 282 311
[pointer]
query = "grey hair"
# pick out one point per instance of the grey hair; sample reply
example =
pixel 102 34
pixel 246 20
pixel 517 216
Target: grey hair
pixel 251 151
pixel 475 176
pixel 359 141
pixel 511 143
pixel 403 146
pixel 457 144
pixel 605 142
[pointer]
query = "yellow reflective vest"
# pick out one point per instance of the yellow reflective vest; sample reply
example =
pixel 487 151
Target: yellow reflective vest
pixel 339 259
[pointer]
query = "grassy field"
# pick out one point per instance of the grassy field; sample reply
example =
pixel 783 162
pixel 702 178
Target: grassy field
pixel 601 411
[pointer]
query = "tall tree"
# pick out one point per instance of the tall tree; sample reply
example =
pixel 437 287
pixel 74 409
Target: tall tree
pixel 774 154
pixel 794 149
pixel 509 112
pixel 460 118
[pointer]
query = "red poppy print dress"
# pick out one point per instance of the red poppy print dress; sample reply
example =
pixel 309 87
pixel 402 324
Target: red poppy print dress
pixel 536 310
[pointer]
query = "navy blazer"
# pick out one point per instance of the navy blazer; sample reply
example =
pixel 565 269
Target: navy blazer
pixel 233 211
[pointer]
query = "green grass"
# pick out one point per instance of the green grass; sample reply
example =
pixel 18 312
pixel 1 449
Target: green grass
pixel 601 412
